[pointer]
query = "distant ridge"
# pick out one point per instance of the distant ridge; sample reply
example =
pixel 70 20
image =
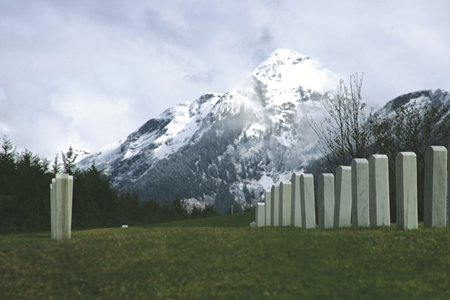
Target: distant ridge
pixel 226 149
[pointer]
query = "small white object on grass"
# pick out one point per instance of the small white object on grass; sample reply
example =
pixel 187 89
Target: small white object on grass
pixel 124 226
pixel 253 224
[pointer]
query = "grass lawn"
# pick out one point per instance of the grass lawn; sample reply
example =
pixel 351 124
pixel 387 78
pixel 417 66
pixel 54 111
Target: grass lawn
pixel 224 258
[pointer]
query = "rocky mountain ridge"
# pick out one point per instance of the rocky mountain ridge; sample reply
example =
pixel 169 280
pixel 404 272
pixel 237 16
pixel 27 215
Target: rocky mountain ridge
pixel 225 149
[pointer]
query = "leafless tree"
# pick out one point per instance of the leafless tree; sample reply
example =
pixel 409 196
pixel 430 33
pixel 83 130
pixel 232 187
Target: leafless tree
pixel 344 134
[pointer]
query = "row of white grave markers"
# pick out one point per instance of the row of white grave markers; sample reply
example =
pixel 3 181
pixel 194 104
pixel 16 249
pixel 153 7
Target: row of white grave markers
pixel 61 192
pixel 359 195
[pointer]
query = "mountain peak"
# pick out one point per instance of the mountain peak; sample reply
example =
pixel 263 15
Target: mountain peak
pixel 225 146
pixel 288 70
pixel 286 55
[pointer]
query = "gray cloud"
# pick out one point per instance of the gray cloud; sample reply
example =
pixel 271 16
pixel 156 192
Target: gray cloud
pixel 202 77
pixel 87 73
pixel 263 46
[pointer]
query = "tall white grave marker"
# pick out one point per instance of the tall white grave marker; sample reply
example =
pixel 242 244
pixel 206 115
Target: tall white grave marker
pixel 275 215
pixel 296 213
pixel 53 208
pixel 285 204
pixel 343 205
pixel 268 207
pixel 379 191
pixel 326 200
pixel 448 183
pixel 307 201
pixel 406 190
pixel 61 191
pixel 360 192
pixel 435 187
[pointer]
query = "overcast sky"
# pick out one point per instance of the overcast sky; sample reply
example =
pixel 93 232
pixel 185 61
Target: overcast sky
pixel 88 73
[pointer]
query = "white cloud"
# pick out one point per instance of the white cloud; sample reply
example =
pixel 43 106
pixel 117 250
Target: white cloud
pixel 87 73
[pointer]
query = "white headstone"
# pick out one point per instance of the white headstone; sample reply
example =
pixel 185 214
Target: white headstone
pixel 448 183
pixel 326 200
pixel 343 205
pixel 275 215
pixel 296 213
pixel 61 206
pixel 53 208
pixel 406 190
pixel 360 192
pixel 435 187
pixel 379 190
pixel 307 201
pixel 268 206
pixel 260 214
pixel 285 204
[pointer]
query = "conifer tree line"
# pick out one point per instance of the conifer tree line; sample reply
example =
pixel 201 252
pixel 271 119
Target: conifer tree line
pixel 409 126
pixel 25 196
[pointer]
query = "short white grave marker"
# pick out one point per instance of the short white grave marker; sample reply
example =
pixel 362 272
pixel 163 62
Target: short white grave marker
pixel 435 187
pixel 406 190
pixel 260 214
pixel 343 205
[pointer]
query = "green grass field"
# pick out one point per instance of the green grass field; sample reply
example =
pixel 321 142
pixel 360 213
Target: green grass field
pixel 224 258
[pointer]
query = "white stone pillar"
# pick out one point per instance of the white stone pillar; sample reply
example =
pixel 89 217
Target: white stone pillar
pixel 448 183
pixel 296 213
pixel 435 187
pixel 326 200
pixel 260 213
pixel 406 190
pixel 61 206
pixel 379 190
pixel 343 205
pixel 275 215
pixel 360 192
pixel 53 208
pixel 268 207
pixel 285 204
pixel 307 201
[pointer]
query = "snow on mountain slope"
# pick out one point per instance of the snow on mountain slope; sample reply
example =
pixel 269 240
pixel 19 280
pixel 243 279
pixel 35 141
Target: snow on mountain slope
pixel 435 97
pixel 288 75
pixel 163 135
pixel 226 148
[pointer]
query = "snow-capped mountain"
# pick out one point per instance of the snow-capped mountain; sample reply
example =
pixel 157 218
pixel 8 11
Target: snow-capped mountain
pixel 229 147
pixel 436 98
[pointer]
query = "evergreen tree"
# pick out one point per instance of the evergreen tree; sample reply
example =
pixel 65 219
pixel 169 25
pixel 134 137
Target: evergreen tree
pixel 69 159
pixel 56 167
pixel 7 167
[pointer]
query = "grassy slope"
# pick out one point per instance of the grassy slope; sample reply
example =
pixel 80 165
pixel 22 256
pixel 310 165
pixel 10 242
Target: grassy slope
pixel 223 257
